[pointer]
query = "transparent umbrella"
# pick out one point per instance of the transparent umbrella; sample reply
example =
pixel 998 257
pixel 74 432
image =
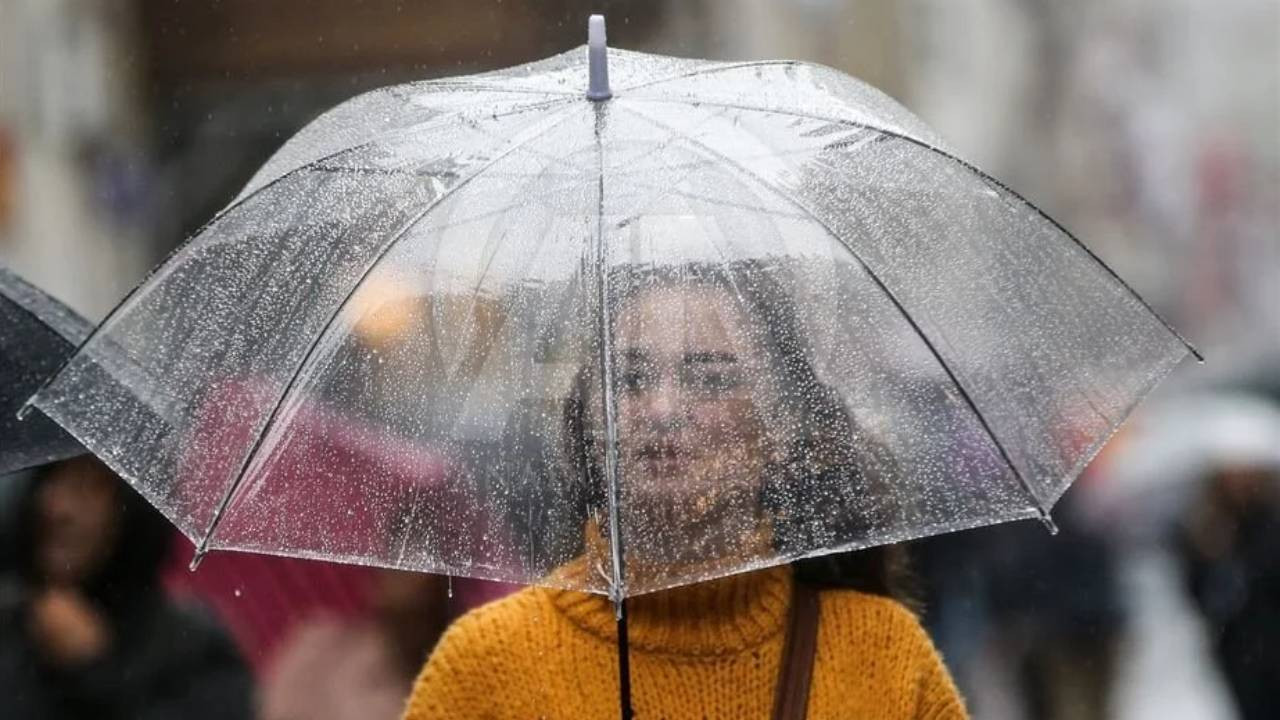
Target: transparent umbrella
pixel 37 335
pixel 683 320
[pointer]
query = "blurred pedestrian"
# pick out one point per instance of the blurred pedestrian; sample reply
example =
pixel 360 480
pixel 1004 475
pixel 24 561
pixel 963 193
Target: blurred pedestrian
pixel 334 669
pixel 87 629
pixel 1059 615
pixel 1048 609
pixel 1227 543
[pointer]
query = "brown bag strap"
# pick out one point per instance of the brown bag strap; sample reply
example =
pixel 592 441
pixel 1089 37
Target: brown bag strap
pixel 792 700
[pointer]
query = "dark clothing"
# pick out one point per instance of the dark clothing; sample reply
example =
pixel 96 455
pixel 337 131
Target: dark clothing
pixel 1051 604
pixel 165 662
pixel 1238 594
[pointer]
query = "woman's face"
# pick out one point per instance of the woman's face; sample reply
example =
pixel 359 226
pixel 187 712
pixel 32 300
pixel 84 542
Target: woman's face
pixel 690 435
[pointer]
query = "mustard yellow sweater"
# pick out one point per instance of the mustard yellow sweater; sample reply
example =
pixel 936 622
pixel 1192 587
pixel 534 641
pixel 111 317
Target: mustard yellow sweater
pixel 705 651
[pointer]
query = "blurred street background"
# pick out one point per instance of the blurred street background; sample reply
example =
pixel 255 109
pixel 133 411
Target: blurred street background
pixel 1149 128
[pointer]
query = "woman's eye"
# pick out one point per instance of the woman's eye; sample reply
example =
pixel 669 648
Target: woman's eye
pixel 634 381
pixel 714 381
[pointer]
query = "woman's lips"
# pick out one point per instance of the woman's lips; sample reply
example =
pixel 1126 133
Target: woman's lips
pixel 662 458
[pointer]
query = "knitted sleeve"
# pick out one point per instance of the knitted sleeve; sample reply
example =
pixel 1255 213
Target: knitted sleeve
pixel 462 678
pixel 938 697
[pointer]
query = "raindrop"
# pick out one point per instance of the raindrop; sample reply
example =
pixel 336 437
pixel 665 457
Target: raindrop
pixel 237 592
pixel 449 586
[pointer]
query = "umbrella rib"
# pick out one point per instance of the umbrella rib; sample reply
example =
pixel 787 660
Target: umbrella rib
pixel 893 298
pixel 982 174
pixel 315 341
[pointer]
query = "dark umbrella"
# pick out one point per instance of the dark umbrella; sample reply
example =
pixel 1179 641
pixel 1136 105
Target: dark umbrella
pixel 37 334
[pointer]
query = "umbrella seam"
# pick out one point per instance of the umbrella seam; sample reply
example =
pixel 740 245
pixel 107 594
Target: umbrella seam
pixel 315 342
pixel 964 393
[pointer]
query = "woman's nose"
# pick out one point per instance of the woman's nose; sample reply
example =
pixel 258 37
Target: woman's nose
pixel 662 404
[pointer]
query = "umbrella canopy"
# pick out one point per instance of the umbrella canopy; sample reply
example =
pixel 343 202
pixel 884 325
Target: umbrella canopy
pixel 701 318
pixel 37 334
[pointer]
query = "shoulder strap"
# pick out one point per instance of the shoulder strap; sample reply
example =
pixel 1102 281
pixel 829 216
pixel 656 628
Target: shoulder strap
pixel 792 700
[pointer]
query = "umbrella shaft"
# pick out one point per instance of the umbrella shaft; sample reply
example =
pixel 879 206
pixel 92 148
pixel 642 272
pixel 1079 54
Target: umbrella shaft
pixel 624 662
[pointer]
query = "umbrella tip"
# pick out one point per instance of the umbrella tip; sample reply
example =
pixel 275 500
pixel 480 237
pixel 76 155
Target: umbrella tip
pixel 597 60
pixel 1048 523
pixel 197 557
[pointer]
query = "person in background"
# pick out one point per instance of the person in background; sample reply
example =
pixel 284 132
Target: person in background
pixel 85 627
pixel 1227 546
pixel 1058 614
pixel 341 670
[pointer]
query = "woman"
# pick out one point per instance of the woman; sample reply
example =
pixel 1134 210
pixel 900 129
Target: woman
pixel 730 451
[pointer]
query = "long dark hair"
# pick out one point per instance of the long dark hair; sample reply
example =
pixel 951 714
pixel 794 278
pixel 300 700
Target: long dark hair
pixel 807 484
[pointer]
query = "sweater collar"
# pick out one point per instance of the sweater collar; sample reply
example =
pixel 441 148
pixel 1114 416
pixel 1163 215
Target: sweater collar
pixel 716 617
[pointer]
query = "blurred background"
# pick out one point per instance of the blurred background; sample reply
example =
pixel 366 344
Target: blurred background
pixel 1149 128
